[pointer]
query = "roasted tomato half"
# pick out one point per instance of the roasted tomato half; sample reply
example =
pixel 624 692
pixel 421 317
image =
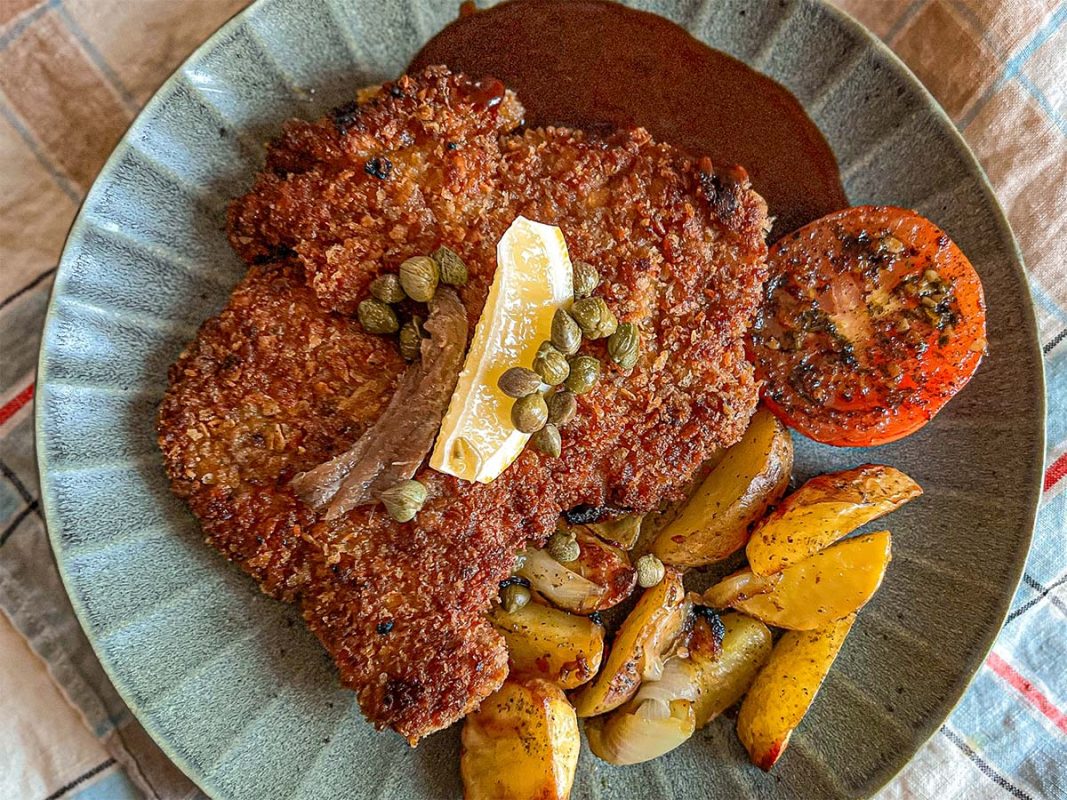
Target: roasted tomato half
pixel 872 320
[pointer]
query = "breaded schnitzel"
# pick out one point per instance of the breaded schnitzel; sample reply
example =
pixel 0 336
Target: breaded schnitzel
pixel 285 378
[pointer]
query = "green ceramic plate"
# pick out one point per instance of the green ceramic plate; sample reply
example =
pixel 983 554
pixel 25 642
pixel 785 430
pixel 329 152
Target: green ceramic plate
pixel 231 685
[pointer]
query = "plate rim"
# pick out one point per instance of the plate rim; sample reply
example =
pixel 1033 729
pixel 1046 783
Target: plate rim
pixel 892 766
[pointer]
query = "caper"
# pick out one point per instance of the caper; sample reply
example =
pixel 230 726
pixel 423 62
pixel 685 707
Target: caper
pixel 404 500
pixel 411 338
pixel 562 406
pixel 419 276
pixel 586 313
pixel 376 317
pixel 594 317
pixel 387 288
pixel 453 270
pixel 624 345
pixel 585 279
pixel 563 546
pixel 585 371
pixel 514 597
pixel 566 335
pixel 544 347
pixel 519 382
pixel 650 571
pixel 530 413
pixel 547 440
pixel 609 323
pixel 551 365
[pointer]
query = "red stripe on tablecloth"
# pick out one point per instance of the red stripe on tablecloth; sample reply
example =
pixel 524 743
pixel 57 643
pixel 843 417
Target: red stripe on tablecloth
pixel 11 407
pixel 1056 472
pixel 1027 690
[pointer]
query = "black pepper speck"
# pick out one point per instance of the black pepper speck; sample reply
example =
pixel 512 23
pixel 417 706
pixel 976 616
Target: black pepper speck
pixel 380 167
pixel 345 115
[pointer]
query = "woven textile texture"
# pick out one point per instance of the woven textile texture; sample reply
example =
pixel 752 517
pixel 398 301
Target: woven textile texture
pixel 73 73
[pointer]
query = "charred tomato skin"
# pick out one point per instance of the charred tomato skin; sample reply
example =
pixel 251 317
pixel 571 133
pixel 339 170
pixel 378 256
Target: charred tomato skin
pixel 872 320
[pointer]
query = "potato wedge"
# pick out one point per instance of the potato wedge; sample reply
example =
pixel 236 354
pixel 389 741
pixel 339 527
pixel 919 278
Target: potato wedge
pixel 547 643
pixel 647 633
pixel 521 743
pixel 639 732
pixel 605 565
pixel 785 687
pixel 715 521
pixel 830 585
pixel 725 676
pixel 739 586
pixel 716 674
pixel 823 510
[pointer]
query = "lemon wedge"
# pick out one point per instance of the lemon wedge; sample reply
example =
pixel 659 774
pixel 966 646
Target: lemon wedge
pixel 533 278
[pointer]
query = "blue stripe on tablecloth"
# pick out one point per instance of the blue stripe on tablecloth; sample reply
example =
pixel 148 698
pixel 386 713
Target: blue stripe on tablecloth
pixel 1052 518
pixel 17 293
pixel 1029 589
pixel 10 527
pixel 904 19
pixel 88 775
pixel 984 766
pixel 1022 746
pixel 113 785
pixel 1039 97
pixel 12 33
pixel 1013 65
pixel 1046 564
pixel 1047 304
pixel 1035 594
pixel 61 180
pixel 1049 591
pixel 1035 643
pixel 13 479
pixel 98 60
pixel 978 28
pixel 11 502
pixel 1055 340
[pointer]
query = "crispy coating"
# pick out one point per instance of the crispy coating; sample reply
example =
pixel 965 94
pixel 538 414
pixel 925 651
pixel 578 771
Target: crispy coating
pixel 285 378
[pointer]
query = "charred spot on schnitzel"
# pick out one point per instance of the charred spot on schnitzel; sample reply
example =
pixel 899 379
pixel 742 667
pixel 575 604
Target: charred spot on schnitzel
pixel 285 378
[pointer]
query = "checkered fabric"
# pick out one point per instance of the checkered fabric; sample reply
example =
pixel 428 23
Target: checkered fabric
pixel 73 73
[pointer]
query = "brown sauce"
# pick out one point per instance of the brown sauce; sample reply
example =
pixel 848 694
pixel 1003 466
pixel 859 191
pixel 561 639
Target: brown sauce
pixel 598 65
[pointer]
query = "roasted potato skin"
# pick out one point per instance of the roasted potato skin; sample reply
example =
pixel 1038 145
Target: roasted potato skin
pixel 752 475
pixel 656 622
pixel 548 643
pixel 521 744
pixel 785 688
pixel 823 510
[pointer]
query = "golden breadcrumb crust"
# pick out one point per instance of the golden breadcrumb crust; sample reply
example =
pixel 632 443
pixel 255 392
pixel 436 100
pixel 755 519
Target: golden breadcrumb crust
pixel 285 378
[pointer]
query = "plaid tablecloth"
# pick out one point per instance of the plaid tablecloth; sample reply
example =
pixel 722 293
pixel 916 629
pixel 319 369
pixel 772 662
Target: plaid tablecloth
pixel 73 73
